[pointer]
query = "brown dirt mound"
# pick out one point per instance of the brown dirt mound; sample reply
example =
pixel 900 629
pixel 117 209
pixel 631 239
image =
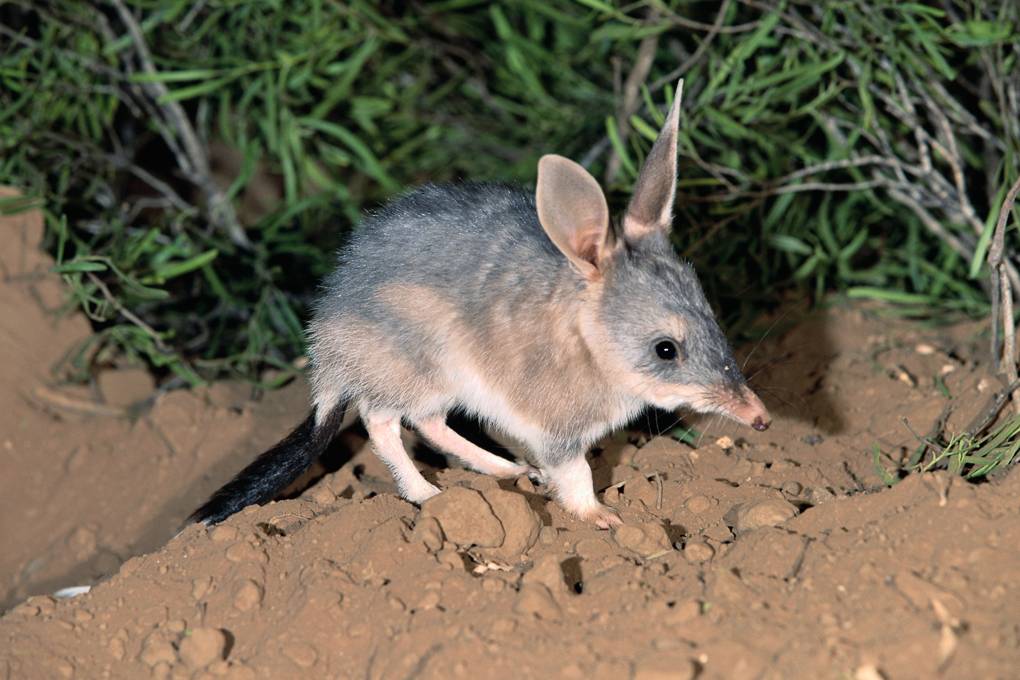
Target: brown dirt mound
pixel 769 555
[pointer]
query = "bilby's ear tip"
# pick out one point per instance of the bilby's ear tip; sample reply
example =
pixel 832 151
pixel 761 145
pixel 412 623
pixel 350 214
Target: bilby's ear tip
pixel 552 160
pixel 678 97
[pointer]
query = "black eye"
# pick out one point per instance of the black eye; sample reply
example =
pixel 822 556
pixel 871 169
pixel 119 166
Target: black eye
pixel 666 350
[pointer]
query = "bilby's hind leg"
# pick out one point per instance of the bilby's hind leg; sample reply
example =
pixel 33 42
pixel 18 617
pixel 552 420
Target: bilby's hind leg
pixel 572 487
pixel 475 457
pixel 384 431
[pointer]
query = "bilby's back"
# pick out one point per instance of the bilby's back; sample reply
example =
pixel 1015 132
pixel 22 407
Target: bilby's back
pixel 528 311
pixel 454 297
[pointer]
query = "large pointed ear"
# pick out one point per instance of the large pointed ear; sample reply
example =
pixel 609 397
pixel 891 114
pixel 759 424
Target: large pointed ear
pixel 651 206
pixel 573 212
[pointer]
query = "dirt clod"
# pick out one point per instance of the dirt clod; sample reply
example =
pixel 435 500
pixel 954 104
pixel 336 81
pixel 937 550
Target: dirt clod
pixel 640 489
pixel 520 524
pixel 698 504
pixel 465 518
pixel 247 596
pixel 698 551
pixel 157 649
pixel 644 538
pixel 765 513
pixel 547 571
pixel 203 646
pixel 428 531
pixel 536 600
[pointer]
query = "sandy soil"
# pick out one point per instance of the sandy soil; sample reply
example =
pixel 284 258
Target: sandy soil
pixel 773 555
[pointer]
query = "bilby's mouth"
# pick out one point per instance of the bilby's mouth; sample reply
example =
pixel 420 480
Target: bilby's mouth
pixel 740 404
pixel 737 403
pixel 747 409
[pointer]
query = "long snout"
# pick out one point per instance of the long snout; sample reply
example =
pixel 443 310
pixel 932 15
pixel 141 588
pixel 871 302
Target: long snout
pixel 746 408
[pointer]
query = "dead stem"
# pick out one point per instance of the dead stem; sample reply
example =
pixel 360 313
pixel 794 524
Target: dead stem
pixel 997 271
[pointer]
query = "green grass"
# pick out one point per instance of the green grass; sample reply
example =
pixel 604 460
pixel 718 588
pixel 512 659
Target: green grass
pixel 855 146
pixel 976 456
pixel 972 456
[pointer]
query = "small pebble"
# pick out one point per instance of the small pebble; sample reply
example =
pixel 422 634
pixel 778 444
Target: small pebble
pixel 765 513
pixel 818 495
pixel 698 551
pixel 322 495
pixel 791 488
pixel 868 672
pixel 698 504
pixel 248 596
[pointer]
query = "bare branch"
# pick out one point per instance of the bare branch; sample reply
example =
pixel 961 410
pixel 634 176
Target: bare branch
pixel 713 31
pixel 127 313
pixel 629 106
pixel 194 162
pixel 1006 360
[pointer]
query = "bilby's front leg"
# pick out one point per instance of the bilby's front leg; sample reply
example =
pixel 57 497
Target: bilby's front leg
pixel 572 487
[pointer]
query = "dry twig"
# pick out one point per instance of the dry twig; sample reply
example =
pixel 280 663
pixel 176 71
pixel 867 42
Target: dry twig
pixel 629 104
pixel 1006 359
pixel 192 159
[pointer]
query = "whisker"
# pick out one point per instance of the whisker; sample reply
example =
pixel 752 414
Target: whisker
pixel 787 402
pixel 762 338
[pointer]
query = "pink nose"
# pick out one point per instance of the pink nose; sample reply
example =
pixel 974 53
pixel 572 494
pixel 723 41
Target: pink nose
pixel 750 411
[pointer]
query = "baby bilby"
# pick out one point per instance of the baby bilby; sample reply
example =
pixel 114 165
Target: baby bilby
pixel 529 312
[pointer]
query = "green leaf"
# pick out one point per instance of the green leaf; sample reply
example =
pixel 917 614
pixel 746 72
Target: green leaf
pixel 79 266
pixel 790 244
pixel 176 269
pixel 979 33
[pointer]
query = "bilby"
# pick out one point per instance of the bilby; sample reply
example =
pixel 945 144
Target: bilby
pixel 530 312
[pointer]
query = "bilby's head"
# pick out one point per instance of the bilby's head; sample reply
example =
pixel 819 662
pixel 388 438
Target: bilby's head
pixel 645 317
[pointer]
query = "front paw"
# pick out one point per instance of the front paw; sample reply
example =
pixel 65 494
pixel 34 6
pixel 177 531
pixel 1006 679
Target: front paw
pixel 420 494
pixel 511 470
pixel 601 516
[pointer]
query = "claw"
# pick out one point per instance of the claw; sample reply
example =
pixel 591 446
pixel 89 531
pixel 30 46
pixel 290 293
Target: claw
pixel 602 516
pixel 536 475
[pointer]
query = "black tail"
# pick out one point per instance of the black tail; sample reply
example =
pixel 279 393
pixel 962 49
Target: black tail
pixel 271 472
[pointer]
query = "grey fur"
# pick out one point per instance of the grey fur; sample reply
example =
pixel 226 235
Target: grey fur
pixel 647 284
pixel 475 298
